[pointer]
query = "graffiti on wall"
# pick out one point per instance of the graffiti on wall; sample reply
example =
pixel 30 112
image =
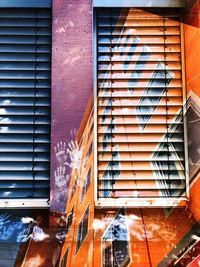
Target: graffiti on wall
pixel 68 156
pixel 12 228
pixel 116 251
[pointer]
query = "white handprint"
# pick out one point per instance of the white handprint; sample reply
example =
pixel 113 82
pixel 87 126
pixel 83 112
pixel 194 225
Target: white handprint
pixel 75 154
pixel 61 152
pixel 4 219
pixel 7 232
pixel 60 176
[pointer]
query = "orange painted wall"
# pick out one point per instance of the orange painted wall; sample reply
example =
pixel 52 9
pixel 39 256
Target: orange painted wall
pixel 79 201
pixel 192 71
pixel 150 230
pixel 192 48
pixel 156 233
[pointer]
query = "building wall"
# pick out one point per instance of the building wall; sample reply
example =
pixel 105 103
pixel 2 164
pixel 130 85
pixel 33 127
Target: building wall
pixel 151 233
pixel 80 198
pixel 192 70
pixel 71 84
pixel 156 236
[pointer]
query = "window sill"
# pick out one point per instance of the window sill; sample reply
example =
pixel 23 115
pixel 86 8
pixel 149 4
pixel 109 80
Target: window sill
pixel 138 202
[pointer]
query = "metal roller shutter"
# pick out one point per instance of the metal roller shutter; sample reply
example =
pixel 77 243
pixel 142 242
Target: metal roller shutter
pixel 25 55
pixel 140 146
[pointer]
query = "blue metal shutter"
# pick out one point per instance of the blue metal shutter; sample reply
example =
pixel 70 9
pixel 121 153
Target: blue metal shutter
pixel 25 60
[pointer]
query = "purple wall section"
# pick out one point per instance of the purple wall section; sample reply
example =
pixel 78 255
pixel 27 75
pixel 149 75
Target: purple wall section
pixel 71 86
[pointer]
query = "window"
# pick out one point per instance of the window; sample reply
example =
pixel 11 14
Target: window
pixel 82 229
pixel 74 186
pixel 25 55
pixel 86 184
pixel 90 150
pixel 115 243
pixel 193 116
pixel 139 111
pixel 70 220
pixel 64 259
pixel 90 129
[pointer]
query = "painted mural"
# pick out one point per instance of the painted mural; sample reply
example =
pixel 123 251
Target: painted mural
pixel 15 228
pixel 141 111
pixel 68 156
pixel 71 54
pixel 122 201
pixel 115 242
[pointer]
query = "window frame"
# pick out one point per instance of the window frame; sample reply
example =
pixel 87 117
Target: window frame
pixel 138 202
pixel 86 183
pixel 193 105
pixel 111 243
pixel 65 258
pixel 80 238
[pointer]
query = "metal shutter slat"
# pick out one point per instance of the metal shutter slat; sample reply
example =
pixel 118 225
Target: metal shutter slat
pixel 137 22
pixel 24 101
pixel 24 66
pixel 26 138
pixel 27 31
pixel 24 13
pixel 24 84
pixel 122 147
pixel 21 156
pixel 133 48
pixel 13 193
pixel 144 40
pixel 24 48
pixel 140 67
pixel 41 129
pixel 172 57
pixel 24 111
pixel 24 22
pixel 24 57
pixel 23 184
pixel 25 92
pixel 24 176
pixel 27 166
pixel 24 75
pixel 129 31
pixel 22 147
pixel 134 74
pixel 16 119
pixel 24 39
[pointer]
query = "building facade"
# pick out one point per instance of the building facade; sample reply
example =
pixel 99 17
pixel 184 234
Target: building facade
pixel 99 133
